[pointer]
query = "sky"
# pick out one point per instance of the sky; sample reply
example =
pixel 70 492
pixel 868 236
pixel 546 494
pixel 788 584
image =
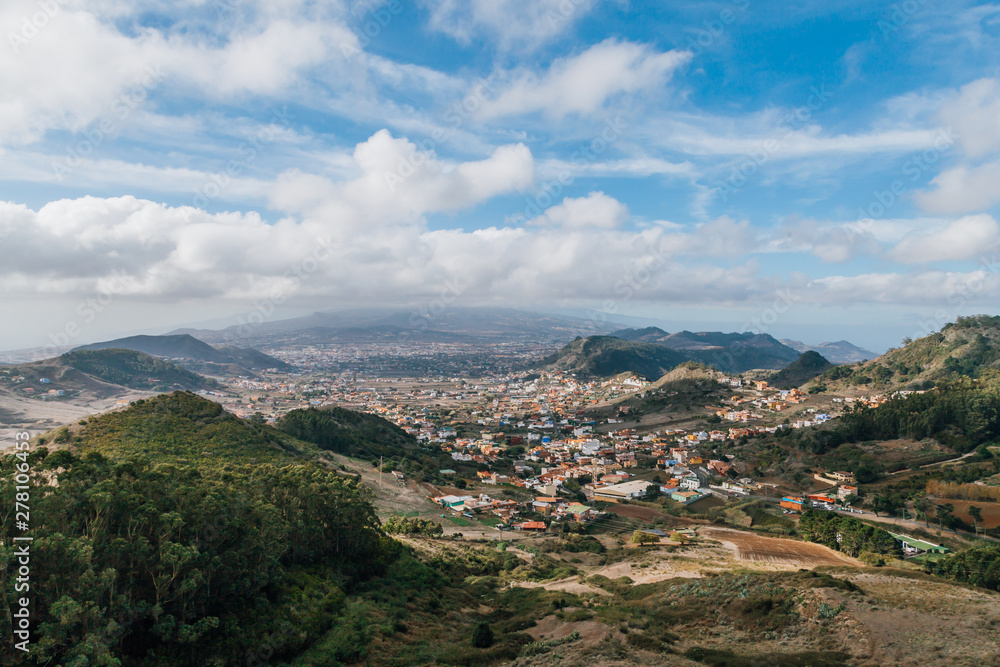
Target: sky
pixel 817 170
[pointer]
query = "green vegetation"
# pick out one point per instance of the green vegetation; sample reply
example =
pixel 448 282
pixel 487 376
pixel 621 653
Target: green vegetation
pixel 978 565
pixel 184 426
pixel 403 526
pixel 968 347
pixel 604 356
pixel 963 414
pixel 367 436
pixel 847 534
pixel 809 365
pixel 135 370
pixel 155 562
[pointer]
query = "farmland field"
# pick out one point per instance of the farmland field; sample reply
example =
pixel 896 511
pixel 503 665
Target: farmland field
pixel 991 511
pixel 758 548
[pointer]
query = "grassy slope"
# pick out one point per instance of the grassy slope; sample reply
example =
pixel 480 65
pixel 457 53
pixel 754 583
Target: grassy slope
pixel 135 370
pixel 966 347
pixel 183 425
pixel 809 365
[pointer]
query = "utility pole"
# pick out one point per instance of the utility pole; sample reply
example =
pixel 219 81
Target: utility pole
pixel 380 472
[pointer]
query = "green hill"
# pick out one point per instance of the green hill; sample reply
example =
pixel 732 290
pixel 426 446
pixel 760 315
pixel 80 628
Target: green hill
pixel 193 353
pixel 177 534
pixel 805 368
pixel 184 426
pixel 134 370
pixel 967 347
pixel 604 356
pixel 369 437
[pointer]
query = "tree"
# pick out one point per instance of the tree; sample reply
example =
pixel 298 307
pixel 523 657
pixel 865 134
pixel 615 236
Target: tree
pixel 977 515
pixel 921 506
pixel 944 512
pixel 482 635
pixel 642 537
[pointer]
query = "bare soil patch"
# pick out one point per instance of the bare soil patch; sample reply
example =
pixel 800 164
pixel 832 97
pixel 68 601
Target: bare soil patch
pixel 757 548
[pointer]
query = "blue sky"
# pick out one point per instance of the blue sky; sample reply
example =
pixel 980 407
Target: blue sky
pixel 691 163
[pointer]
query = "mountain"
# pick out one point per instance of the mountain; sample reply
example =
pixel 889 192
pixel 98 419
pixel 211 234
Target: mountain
pixel 805 368
pixel 135 370
pixel 86 375
pixel 840 352
pixel 603 356
pixel 646 335
pixel 195 354
pixel 425 324
pixel 967 347
pixel 729 352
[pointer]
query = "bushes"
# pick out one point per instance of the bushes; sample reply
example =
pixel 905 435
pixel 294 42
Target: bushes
pixel 402 526
pixel 978 565
pixel 482 635
pixel 847 534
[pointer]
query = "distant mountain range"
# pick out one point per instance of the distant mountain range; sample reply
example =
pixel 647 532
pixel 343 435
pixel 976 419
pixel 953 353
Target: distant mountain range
pixel 840 352
pixel 195 354
pixel 471 325
pixel 99 374
pixel 652 352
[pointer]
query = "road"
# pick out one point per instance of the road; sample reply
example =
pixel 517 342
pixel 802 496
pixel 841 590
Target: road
pixel 896 521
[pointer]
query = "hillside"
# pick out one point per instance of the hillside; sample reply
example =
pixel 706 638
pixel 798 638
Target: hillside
pixel 166 541
pixel 134 370
pixel 181 425
pixel 839 352
pixel 646 335
pixel 809 365
pixel 604 356
pixel 193 353
pixel 966 347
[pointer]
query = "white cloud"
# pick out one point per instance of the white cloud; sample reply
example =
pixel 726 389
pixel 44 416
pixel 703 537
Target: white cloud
pixel 964 239
pixel 74 68
pixel 399 183
pixel 514 24
pixel 974 112
pixel 596 210
pixel 582 84
pixel 962 189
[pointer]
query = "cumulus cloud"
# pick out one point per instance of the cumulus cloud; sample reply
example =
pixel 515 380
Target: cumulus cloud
pixel 963 239
pixel 399 182
pixel 68 67
pixel 595 210
pixel 962 189
pixel 974 114
pixel 583 83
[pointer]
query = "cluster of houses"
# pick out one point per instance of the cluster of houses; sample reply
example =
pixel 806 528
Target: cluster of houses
pixel 553 508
